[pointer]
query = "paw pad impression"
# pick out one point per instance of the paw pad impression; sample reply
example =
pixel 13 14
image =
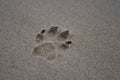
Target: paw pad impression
pixel 49 45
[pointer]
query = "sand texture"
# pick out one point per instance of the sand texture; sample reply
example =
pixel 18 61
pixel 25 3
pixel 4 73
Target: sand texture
pixel 91 50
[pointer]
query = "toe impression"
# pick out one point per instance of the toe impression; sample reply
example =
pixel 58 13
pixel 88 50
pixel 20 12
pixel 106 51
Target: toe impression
pixel 53 30
pixel 64 34
pixel 39 37
pixel 66 44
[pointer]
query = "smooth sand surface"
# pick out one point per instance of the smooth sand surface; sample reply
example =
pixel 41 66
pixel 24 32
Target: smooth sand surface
pixel 94 55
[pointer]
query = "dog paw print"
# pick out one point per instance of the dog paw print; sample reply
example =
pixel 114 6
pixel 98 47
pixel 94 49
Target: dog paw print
pixel 50 41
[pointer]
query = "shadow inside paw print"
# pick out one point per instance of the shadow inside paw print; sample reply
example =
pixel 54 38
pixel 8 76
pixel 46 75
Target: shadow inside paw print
pixel 48 45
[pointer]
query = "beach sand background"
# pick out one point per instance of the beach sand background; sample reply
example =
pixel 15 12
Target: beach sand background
pixel 94 54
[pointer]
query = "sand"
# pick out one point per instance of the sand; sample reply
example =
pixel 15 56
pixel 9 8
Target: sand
pixel 95 28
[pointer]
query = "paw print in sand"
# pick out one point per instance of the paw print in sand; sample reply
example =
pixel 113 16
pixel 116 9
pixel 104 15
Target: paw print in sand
pixel 50 41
